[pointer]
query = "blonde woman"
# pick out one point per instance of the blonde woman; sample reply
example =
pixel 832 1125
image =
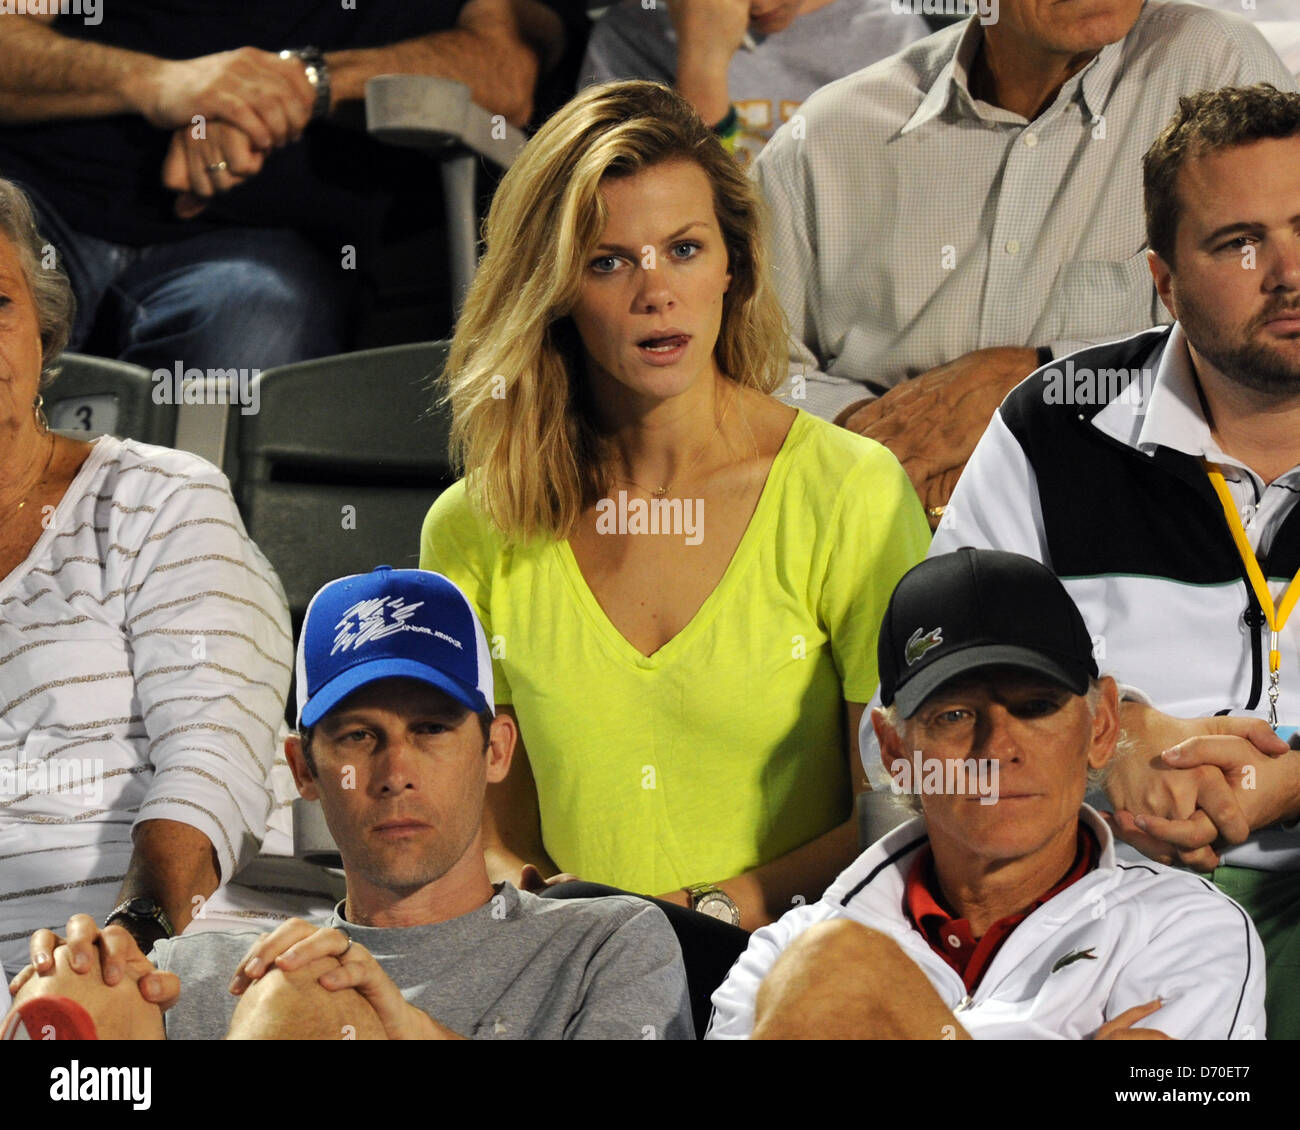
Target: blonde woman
pixel 682 577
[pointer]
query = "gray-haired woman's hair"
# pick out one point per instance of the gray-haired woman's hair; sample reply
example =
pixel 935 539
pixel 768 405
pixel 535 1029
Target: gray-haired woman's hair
pixel 51 291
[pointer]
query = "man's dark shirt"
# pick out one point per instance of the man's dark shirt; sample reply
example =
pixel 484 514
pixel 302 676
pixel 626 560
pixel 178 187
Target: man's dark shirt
pixel 103 175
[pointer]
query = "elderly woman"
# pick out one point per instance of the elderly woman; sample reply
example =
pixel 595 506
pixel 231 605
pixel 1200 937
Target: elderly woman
pixel 144 652
pixel 682 577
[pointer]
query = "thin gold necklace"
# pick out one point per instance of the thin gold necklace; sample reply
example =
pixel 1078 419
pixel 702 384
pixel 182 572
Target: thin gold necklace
pixel 660 492
pixel 44 471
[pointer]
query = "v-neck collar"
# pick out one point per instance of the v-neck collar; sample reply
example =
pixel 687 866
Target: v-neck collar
pixel 99 449
pixel 746 548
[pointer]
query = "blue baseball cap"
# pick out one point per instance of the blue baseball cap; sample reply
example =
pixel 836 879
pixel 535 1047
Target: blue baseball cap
pixel 390 623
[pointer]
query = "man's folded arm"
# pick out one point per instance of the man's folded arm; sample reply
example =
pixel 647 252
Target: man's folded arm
pixel 1206 964
pixel 45 74
pixel 734 1000
pixel 498 49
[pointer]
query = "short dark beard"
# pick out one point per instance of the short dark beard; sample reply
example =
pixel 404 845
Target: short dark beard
pixel 1247 363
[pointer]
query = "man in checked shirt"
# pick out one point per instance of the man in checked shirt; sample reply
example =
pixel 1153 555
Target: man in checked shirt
pixel 951 218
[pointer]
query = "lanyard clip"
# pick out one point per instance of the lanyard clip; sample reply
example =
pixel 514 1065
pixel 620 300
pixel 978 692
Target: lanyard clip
pixel 1272 698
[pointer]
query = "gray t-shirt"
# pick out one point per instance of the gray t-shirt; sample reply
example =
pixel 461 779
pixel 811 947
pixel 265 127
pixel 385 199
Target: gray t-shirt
pixel 768 81
pixel 519 967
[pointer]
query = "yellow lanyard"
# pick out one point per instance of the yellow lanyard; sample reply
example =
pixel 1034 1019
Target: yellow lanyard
pixel 1276 618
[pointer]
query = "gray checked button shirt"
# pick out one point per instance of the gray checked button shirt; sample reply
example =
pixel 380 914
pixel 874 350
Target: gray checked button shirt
pixel 914 223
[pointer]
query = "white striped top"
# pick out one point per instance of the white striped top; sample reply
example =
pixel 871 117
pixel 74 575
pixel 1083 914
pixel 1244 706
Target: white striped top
pixel 145 656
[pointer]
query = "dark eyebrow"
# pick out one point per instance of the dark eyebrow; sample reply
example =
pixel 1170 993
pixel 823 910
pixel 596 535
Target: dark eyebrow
pixel 675 235
pixel 1242 227
pixel 1238 227
pixel 452 715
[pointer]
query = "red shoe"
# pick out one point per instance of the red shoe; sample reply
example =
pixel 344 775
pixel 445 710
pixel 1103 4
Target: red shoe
pixel 48 1018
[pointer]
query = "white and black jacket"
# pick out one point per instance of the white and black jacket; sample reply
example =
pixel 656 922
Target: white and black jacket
pixel 1137 535
pixel 1122 935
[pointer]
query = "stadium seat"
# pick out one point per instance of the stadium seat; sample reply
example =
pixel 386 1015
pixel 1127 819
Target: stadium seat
pixel 438 115
pixel 340 463
pixel 312 840
pixel 878 813
pixel 105 397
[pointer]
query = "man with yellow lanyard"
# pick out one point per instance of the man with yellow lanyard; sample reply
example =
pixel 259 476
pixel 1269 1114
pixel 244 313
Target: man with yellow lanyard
pixel 1159 477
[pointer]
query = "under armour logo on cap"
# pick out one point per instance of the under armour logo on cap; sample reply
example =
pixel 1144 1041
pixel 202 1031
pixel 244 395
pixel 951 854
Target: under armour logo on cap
pixel 391 623
pixel 373 620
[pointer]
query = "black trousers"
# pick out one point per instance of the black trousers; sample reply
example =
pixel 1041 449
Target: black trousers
pixel 709 947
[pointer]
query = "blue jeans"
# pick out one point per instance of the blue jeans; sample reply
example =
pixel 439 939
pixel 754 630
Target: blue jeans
pixel 236 298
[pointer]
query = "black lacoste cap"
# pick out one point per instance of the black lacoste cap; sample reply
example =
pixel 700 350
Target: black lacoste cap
pixel 975 608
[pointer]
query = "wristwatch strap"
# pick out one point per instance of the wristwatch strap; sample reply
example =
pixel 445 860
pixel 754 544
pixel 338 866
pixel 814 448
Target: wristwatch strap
pixel 701 891
pixel 142 911
pixel 318 74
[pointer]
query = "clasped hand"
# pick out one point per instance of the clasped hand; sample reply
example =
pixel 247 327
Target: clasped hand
pixel 1187 786
pixel 227 111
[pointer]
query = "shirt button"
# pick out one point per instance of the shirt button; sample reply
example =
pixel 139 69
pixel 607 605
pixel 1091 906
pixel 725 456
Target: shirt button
pixel 1013 246
pixel 1031 139
pixel 954 941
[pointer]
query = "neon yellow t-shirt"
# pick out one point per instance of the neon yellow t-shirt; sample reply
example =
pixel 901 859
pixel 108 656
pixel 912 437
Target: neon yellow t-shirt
pixel 725 748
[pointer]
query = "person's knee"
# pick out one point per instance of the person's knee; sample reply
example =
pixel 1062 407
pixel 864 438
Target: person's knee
pixel 841 980
pixel 824 969
pixel 119 1011
pixel 846 948
pixel 249 287
pixel 293 1005
pixel 291 312
pixel 249 308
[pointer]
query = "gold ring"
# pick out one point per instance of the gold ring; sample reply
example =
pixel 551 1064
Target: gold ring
pixel 219 167
pixel 935 511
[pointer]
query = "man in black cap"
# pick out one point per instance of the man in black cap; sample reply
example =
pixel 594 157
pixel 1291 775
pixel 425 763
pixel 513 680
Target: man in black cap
pixel 1159 477
pixel 1001 912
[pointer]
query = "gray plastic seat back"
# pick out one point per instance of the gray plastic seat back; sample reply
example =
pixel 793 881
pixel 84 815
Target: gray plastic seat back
pixel 878 813
pixel 340 463
pixel 99 396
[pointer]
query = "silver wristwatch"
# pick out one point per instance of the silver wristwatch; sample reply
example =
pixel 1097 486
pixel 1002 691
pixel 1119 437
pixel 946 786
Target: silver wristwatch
pixel 715 902
pixel 318 74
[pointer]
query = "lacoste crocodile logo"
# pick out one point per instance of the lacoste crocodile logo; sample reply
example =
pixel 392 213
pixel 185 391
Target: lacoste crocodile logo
pixel 918 644
pixel 1071 958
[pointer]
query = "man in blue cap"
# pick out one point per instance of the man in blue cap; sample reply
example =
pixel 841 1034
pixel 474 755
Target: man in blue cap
pixel 398 742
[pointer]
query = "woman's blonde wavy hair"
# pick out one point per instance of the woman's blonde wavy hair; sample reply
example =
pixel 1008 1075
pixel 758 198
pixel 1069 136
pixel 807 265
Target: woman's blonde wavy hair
pixel 522 430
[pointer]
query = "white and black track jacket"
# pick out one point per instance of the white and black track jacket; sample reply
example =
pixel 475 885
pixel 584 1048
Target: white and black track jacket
pixel 1092 465
pixel 1122 935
